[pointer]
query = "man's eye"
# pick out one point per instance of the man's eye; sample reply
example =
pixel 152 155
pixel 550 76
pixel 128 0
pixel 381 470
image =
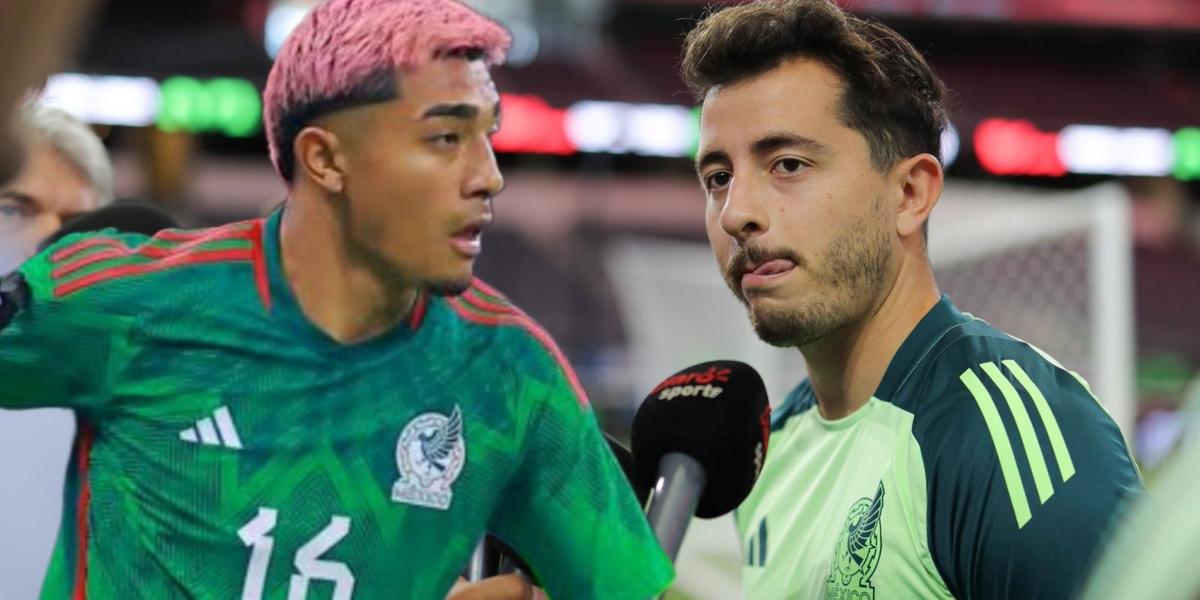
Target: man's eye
pixel 789 166
pixel 11 209
pixel 717 180
pixel 447 139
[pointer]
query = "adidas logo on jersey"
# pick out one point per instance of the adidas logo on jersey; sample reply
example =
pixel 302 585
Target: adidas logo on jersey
pixel 217 430
pixel 1019 409
pixel 756 555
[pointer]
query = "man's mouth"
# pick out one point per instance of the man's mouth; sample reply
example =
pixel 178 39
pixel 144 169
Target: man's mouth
pixel 468 241
pixel 765 274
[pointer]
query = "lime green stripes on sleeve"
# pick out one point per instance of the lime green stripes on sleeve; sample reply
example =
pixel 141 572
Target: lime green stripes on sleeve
pixel 1057 442
pixel 1026 429
pixel 1004 451
pixel 1033 450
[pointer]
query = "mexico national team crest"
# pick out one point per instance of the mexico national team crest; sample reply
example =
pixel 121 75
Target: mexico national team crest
pixel 430 454
pixel 857 552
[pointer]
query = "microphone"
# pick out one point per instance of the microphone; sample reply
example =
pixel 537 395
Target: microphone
pixel 699 442
pixel 126 217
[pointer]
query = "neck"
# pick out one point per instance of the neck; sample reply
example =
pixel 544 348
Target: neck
pixel 846 367
pixel 338 290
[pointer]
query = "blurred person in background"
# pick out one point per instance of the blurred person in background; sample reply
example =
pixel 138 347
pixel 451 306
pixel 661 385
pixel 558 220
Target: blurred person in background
pixel 67 172
pixel 928 455
pixel 35 38
pixel 1153 554
pixel 326 397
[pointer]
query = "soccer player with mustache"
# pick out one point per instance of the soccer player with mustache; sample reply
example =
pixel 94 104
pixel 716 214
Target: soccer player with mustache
pixel 927 454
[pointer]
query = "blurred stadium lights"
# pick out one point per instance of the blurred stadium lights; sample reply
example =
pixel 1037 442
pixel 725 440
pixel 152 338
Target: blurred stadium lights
pixel 595 126
pixel 224 105
pixel 619 128
pixel 283 17
pixel 1187 153
pixel 519 17
pixel 525 44
pixel 1100 149
pixel 659 130
pixel 530 125
pixel 516 15
pixel 105 100
pixel 1017 147
pixel 1170 14
pixel 951 145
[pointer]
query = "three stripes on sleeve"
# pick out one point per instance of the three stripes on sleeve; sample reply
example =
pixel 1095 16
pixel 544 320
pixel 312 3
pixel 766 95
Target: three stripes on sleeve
pixel 1027 430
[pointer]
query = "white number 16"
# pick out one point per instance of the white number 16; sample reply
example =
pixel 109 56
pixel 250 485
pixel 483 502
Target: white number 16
pixel 309 565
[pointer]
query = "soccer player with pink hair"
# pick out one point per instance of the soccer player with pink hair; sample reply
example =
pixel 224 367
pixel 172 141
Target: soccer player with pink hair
pixel 326 401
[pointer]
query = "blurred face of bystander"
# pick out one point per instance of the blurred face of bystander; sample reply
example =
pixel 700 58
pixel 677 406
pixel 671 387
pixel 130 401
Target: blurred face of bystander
pixel 47 191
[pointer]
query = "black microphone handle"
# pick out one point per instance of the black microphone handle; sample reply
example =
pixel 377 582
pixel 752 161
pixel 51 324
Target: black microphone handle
pixel 485 562
pixel 673 500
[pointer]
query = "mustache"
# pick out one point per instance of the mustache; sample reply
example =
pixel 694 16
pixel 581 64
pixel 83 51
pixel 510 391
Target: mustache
pixel 747 255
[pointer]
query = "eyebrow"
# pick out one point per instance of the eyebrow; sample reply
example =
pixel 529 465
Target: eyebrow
pixel 462 110
pixel 711 157
pixel 774 141
pixel 765 145
pixel 21 197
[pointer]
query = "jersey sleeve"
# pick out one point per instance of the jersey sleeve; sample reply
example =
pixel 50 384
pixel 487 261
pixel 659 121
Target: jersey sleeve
pixel 53 351
pixel 570 512
pixel 1026 476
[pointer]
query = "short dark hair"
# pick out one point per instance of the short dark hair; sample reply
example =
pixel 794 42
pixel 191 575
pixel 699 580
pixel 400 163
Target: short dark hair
pixel 891 95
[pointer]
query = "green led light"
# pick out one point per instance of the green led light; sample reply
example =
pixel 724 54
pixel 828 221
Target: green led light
pixel 226 105
pixel 1187 153
pixel 695 131
pixel 237 107
pixel 177 110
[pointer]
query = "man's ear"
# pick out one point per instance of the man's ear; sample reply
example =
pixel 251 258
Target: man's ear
pixel 918 181
pixel 321 156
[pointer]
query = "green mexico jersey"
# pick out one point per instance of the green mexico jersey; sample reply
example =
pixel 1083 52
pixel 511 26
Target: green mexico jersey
pixel 979 469
pixel 229 449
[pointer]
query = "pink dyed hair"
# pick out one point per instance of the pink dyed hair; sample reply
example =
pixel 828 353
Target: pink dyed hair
pixel 349 52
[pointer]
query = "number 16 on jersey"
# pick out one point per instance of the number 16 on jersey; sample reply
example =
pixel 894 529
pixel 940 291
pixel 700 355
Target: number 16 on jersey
pixel 308 562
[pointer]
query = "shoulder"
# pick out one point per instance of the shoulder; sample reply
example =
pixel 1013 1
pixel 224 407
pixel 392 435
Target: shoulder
pixel 976 368
pixel 108 264
pixel 1021 462
pixel 513 334
pixel 995 412
pixel 485 310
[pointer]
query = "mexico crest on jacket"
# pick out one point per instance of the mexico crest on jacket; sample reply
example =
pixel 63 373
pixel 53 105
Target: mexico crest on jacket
pixel 430 455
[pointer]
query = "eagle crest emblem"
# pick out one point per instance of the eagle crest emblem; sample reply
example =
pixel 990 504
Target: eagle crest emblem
pixel 858 548
pixel 430 455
